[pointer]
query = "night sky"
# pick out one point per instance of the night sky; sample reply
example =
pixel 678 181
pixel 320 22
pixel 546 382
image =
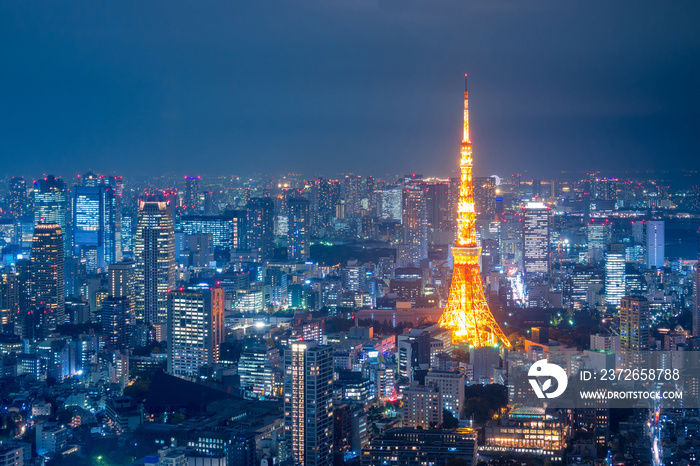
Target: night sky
pixel 364 86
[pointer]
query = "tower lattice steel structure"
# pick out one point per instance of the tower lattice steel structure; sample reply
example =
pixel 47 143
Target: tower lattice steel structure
pixel 467 312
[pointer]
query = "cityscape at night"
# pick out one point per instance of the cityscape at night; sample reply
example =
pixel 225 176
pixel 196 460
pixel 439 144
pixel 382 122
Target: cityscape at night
pixel 350 233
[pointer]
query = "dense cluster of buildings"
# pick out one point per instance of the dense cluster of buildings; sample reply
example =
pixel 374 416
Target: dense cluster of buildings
pixel 291 320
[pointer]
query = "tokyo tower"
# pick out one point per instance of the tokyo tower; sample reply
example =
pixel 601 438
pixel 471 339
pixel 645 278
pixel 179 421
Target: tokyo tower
pixel 467 312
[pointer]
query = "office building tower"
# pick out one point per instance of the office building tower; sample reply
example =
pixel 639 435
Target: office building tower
pixel 655 244
pixel 451 386
pixel 605 189
pixel 229 230
pixel 258 375
pixel 352 194
pixel 115 316
pixel 18 200
pixel 154 251
pixel 191 201
pixel 308 403
pixel 422 407
pixel 437 204
pixel 9 300
pixel 415 225
pixel 391 207
pixel 634 330
pixel 195 329
pixel 47 285
pixel 599 234
pixel 95 226
pixel 51 205
pixel 127 235
pixel 414 353
pixel 122 282
pixel 75 270
pixel 536 238
pixel 485 197
pixel 261 227
pixel 325 199
pixel 299 230
pixel 615 285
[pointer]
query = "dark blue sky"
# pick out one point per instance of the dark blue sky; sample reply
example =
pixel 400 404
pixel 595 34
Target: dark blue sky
pixel 365 86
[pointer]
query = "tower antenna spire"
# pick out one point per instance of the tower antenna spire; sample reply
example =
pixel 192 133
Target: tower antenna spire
pixel 465 136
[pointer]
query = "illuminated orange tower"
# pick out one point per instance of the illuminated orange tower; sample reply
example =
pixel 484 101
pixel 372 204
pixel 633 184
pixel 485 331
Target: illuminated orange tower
pixel 467 312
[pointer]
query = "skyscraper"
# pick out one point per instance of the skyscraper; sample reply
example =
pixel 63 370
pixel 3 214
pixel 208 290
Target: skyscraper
pixel 155 261
pixel 18 201
pixel 115 316
pixel 95 226
pixel 51 205
pixel 195 329
pixel 326 196
pixel 308 403
pixel 298 230
pixel 191 201
pixel 122 280
pixel 391 203
pixel 352 193
pixel 47 285
pixel 485 197
pixel 415 225
pixel 615 274
pixel 634 330
pixel 536 238
pixel 261 227
pixel 655 244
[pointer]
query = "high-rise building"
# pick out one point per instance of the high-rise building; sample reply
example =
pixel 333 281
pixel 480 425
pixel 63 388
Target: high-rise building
pixel 422 407
pixel 391 204
pixel 605 189
pixel 47 286
pixel 115 316
pixel 18 201
pixel 191 201
pixel 485 197
pixel 95 226
pixel 229 230
pixel 655 244
pixel 415 225
pixel 352 194
pixel 437 193
pixel 155 261
pixel 536 238
pixel 326 196
pixel 195 329
pixel 51 205
pixel 299 230
pixel 261 227
pixel 599 234
pixel 122 282
pixel 451 386
pixel 257 371
pixel 308 403
pixel 634 330
pixel 615 285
